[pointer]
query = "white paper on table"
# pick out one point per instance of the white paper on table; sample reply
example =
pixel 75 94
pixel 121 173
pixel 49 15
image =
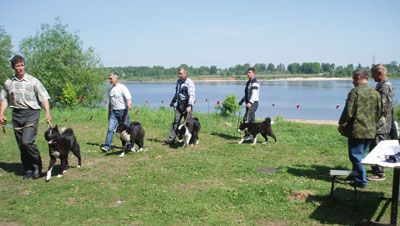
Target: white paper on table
pixel 377 155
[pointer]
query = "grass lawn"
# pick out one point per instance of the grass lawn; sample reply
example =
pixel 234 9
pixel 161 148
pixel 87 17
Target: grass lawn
pixel 217 182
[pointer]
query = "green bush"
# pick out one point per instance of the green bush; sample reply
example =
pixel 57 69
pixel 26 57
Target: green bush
pixel 229 106
pixel 69 97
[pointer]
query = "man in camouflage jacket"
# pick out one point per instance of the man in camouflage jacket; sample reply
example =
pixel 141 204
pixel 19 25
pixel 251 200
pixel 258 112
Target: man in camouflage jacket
pixel 358 122
pixel 384 124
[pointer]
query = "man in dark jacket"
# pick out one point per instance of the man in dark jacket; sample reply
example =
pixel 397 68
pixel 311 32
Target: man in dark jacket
pixel 358 122
pixel 251 98
pixel 184 96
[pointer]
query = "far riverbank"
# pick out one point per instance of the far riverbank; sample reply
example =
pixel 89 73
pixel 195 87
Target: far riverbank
pixel 233 79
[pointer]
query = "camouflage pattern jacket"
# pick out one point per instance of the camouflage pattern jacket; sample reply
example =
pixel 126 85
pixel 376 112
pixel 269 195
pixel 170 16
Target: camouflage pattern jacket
pixel 384 123
pixel 362 111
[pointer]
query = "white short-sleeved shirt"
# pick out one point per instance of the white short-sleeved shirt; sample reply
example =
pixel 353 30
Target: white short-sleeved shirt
pixel 119 94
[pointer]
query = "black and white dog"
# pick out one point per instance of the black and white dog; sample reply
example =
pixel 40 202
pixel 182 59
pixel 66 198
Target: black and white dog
pixel 189 130
pixel 59 147
pixel 133 133
pixel 255 128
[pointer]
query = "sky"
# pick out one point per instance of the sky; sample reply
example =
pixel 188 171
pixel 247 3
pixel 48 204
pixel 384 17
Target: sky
pixel 221 33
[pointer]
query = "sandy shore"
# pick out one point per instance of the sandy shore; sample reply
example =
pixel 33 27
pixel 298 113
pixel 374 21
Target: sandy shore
pixel 323 122
pixel 232 79
pixel 307 79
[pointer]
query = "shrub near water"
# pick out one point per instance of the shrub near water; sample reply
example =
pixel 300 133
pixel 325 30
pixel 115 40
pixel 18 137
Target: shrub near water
pixel 229 106
pixel 217 182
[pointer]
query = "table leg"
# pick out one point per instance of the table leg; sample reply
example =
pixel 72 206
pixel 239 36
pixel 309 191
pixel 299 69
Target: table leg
pixel 395 197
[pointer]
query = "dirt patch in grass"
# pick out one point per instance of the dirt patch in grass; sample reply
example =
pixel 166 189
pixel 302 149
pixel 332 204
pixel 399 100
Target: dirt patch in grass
pixel 301 195
pixel 10 224
pixel 267 170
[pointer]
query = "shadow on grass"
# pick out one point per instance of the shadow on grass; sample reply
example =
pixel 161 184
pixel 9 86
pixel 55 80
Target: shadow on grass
pixel 13 167
pixel 99 145
pixel 225 136
pixel 344 210
pixel 313 171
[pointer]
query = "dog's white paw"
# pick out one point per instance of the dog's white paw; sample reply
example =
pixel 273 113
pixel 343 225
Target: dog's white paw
pixel 64 171
pixel 276 142
pixel 140 150
pixel 180 141
pixel 197 142
pixel 59 175
pixel 265 142
pixel 122 154
pixel 133 149
pixel 241 141
pixel 79 166
pixel 48 176
pixel 185 145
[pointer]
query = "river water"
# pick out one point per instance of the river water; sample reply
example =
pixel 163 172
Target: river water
pixel 310 99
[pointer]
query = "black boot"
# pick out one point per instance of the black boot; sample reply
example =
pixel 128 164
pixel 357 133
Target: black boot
pixel 28 174
pixel 36 171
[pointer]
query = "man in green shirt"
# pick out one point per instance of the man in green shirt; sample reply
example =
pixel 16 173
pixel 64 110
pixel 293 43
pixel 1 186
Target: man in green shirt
pixel 384 124
pixel 358 122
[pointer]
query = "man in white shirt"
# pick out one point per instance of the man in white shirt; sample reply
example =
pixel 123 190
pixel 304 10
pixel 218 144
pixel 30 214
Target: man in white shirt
pixel 119 104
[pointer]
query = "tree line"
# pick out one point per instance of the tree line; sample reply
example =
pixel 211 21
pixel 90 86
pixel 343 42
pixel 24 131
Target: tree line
pixel 323 69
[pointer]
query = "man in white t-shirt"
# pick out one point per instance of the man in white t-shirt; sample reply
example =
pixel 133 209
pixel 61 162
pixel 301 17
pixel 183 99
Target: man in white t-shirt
pixel 119 104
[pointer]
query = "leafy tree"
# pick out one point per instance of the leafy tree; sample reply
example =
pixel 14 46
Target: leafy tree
pixel 213 70
pixel 294 68
pixel 340 71
pixel 392 67
pixel 260 68
pixel 5 56
pixel 280 67
pixel 56 58
pixel 349 69
pixel 326 67
pixel 271 67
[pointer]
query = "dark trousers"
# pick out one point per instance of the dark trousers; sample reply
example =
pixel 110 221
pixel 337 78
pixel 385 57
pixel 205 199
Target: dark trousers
pixel 393 130
pixel 179 113
pixel 26 137
pixel 377 170
pixel 250 115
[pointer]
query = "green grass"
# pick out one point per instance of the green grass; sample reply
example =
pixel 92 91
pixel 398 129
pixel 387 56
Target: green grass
pixel 217 182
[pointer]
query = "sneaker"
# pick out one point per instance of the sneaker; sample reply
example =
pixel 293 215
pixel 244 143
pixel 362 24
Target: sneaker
pixel 376 178
pixel 249 138
pixel 105 148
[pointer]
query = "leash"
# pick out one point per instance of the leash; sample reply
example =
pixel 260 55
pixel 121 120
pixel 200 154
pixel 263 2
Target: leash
pixel 187 116
pixel 23 127
pixel 126 115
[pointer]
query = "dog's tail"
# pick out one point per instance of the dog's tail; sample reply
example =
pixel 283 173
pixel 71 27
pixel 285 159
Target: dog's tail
pixel 267 121
pixel 68 131
pixel 135 124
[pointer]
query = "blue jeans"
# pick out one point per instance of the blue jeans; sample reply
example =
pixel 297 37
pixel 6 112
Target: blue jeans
pixel 357 150
pixel 116 116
